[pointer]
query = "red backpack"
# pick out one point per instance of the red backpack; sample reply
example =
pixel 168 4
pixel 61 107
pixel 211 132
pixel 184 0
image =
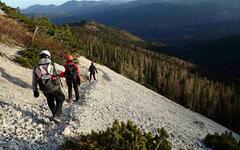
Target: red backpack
pixel 47 77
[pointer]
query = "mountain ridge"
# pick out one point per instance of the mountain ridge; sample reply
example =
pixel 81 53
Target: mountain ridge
pixel 69 6
pixel 134 17
pixel 101 102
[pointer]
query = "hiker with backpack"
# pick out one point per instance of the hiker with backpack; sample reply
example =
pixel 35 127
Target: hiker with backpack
pixel 45 75
pixel 92 69
pixel 73 76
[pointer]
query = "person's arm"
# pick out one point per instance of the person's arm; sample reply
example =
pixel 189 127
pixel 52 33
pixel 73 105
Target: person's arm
pixel 34 80
pixel 78 71
pixel 78 74
pixel 62 74
pixel 89 69
pixel 95 69
pixel 60 70
pixel 35 83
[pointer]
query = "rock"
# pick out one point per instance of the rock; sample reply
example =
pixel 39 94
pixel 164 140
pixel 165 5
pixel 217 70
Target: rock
pixel 2 119
pixel 40 126
pixel 34 124
pixel 18 114
pixel 18 130
pixel 6 145
pixel 67 132
pixel 15 146
pixel 30 120
pixel 43 141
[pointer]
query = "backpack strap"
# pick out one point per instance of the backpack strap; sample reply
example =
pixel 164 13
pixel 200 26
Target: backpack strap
pixel 47 68
pixel 40 70
pixel 40 75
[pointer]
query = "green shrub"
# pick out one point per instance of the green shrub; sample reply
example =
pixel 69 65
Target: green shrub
pixel 25 62
pixel 120 136
pixel 28 58
pixel 222 142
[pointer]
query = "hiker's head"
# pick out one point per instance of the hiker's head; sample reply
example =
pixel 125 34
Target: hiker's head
pixel 92 63
pixel 69 58
pixel 45 54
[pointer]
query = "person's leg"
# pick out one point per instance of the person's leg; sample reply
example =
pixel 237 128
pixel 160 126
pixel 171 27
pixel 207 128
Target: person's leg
pixel 50 101
pixel 76 89
pixel 90 77
pixel 69 84
pixel 94 76
pixel 59 97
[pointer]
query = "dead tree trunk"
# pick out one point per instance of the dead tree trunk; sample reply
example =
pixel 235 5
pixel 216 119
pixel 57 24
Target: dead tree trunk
pixel 35 32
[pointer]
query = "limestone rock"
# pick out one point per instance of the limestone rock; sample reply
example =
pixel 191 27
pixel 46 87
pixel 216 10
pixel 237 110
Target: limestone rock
pixel 67 132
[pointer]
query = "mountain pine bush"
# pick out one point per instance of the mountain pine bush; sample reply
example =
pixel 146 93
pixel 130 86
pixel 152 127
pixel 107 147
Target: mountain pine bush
pixel 222 142
pixel 121 136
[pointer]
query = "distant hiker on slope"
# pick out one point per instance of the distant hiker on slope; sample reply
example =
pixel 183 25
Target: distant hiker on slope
pixel 73 77
pixel 45 74
pixel 92 69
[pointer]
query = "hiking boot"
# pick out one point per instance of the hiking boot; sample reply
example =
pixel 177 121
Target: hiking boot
pixel 69 100
pixel 56 120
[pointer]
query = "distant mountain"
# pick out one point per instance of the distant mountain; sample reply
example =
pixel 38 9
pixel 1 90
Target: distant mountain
pixel 168 20
pixel 195 8
pixel 156 20
pixel 73 6
pixel 40 9
pixel 69 7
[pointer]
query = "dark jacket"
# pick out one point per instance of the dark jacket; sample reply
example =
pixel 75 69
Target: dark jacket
pixel 65 73
pixel 92 69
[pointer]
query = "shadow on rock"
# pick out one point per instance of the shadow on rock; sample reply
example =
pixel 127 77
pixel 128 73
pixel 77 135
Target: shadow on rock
pixel 84 90
pixel 105 76
pixel 14 80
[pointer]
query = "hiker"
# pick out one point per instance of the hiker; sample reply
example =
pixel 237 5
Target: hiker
pixel 92 69
pixel 73 76
pixel 45 74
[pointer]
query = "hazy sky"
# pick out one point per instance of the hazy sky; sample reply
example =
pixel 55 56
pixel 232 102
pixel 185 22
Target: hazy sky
pixel 26 3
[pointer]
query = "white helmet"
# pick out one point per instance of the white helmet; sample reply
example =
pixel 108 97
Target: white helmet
pixel 46 52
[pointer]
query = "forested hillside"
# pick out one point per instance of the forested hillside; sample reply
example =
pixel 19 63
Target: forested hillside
pixel 221 56
pixel 180 81
pixel 176 79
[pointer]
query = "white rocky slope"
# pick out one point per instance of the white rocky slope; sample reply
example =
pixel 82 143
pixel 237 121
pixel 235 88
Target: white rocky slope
pixel 1 12
pixel 24 122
